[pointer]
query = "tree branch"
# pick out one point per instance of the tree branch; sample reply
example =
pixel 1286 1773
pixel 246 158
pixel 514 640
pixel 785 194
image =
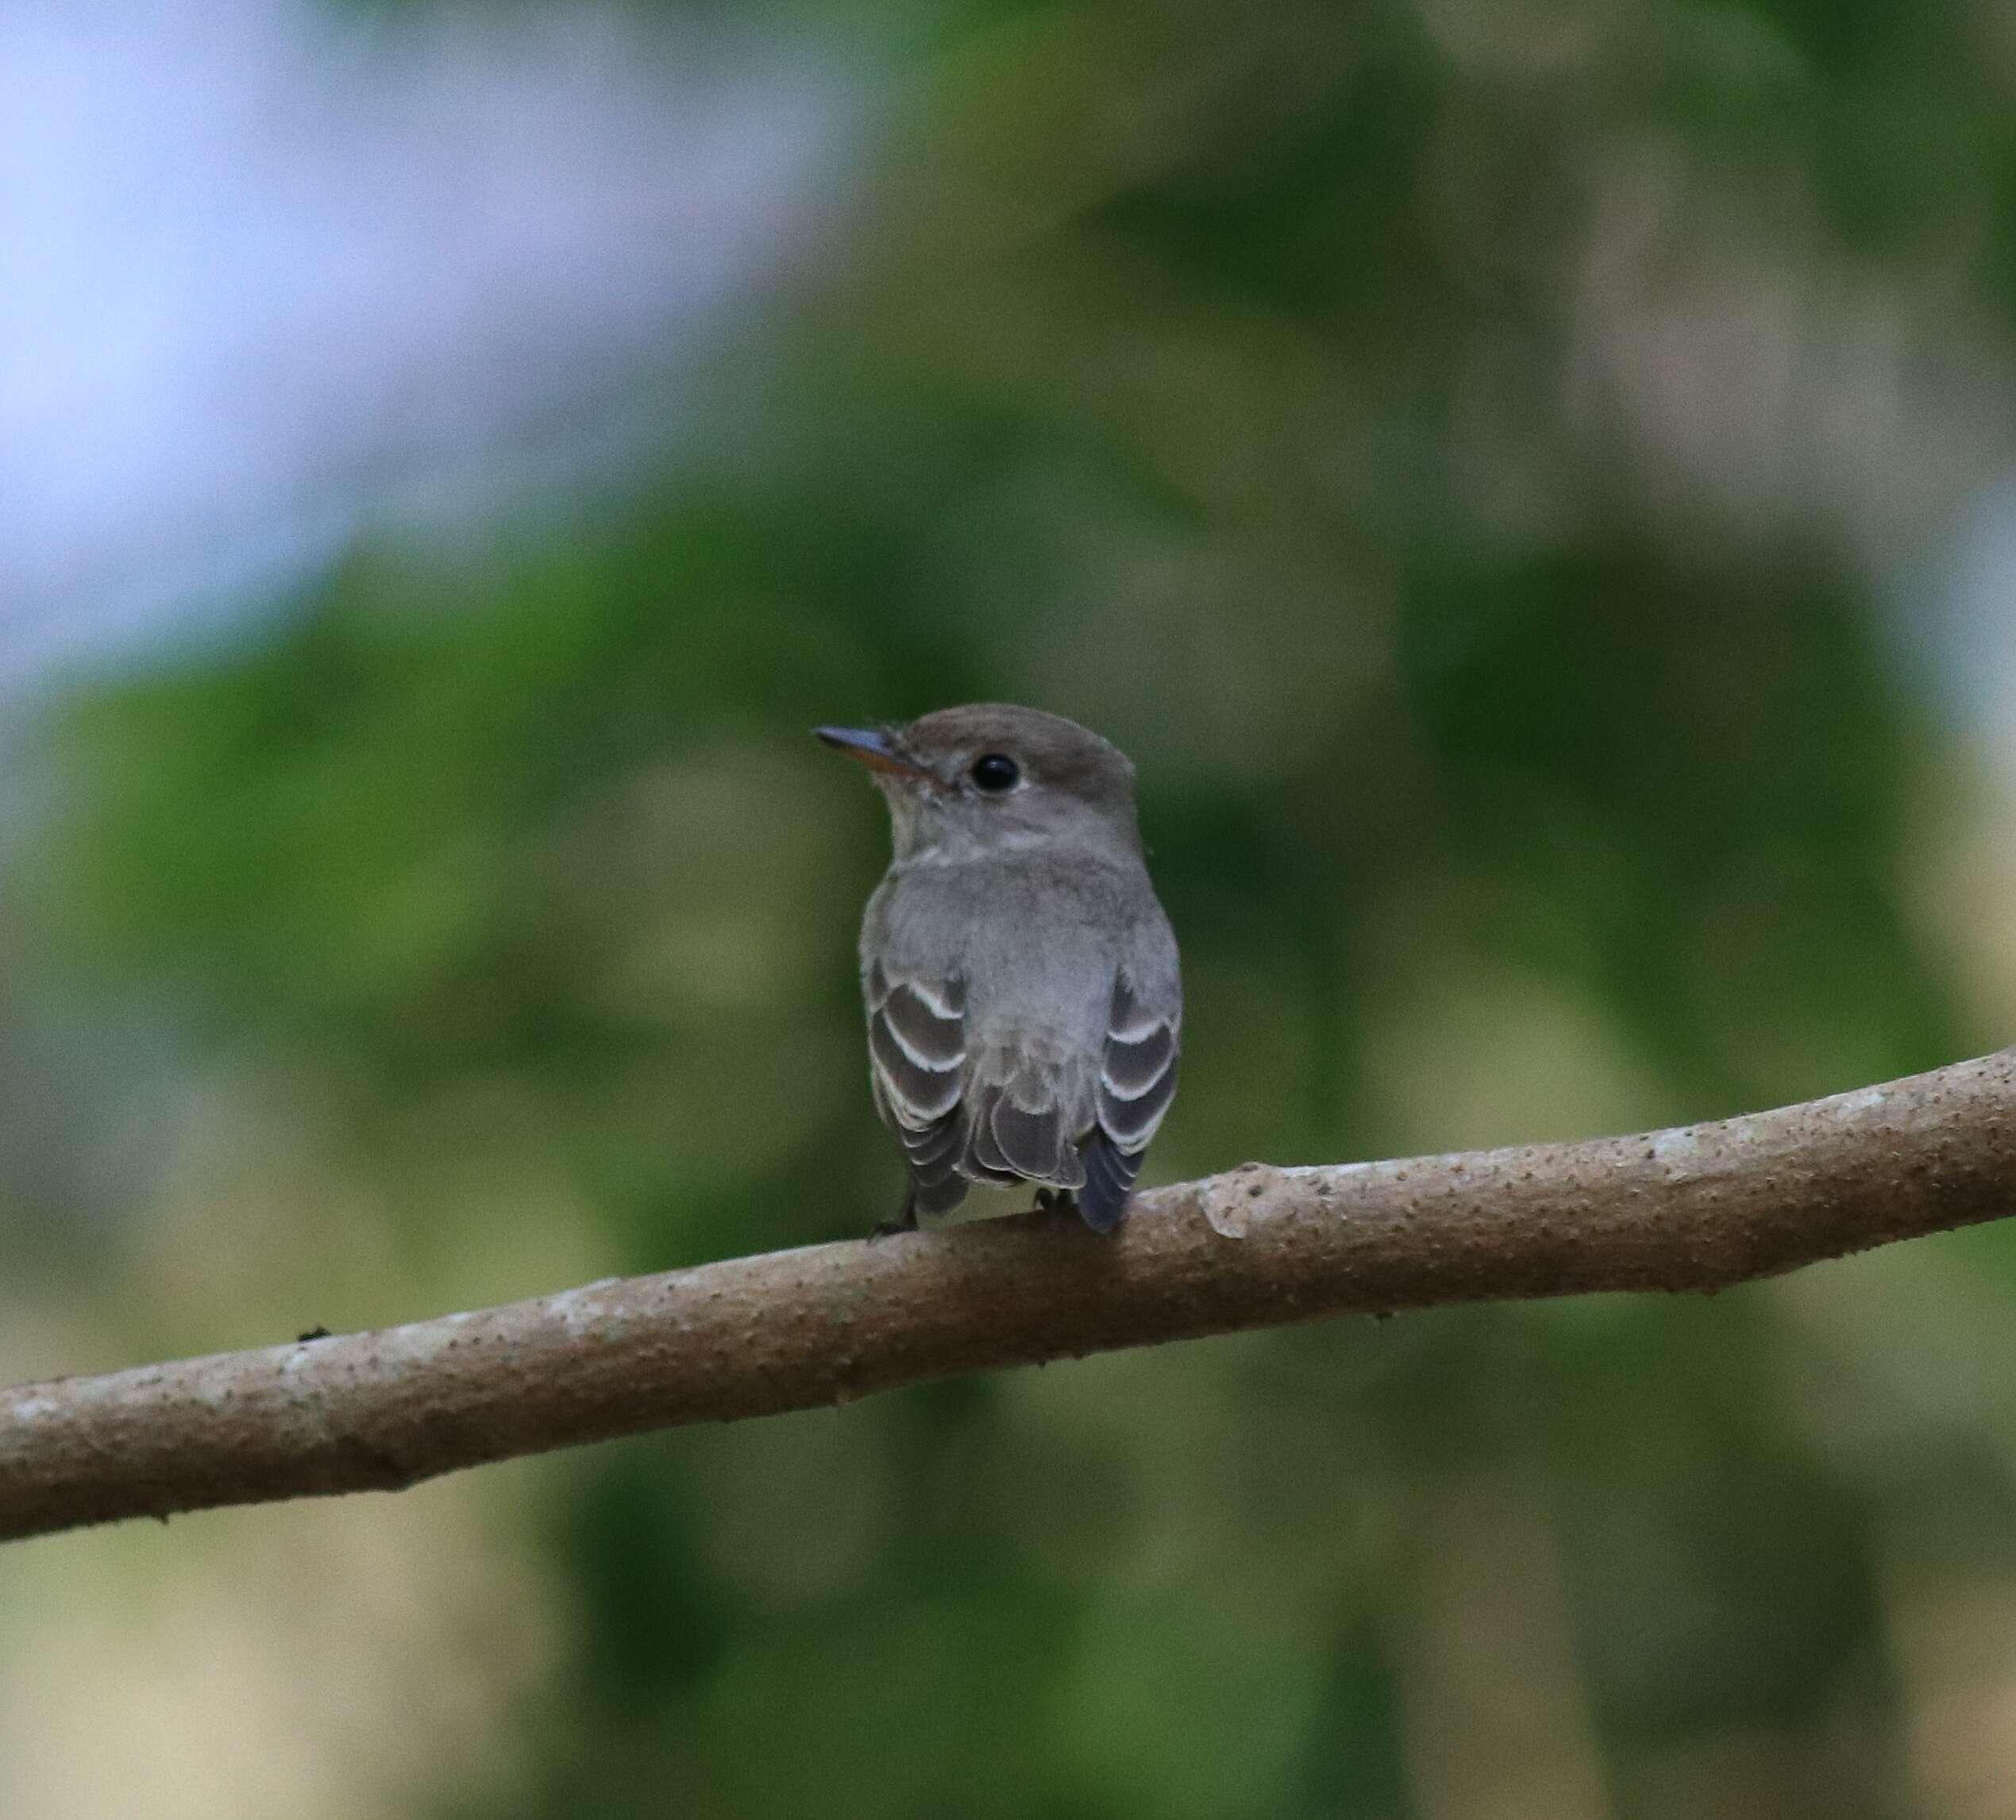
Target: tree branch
pixel 1699 1208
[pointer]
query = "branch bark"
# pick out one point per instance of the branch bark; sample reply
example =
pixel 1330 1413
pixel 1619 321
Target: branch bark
pixel 1695 1208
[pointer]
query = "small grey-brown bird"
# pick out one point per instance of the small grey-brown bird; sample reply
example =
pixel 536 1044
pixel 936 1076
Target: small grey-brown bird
pixel 1024 1003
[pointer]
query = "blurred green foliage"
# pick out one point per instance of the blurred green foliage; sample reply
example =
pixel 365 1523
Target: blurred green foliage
pixel 1364 415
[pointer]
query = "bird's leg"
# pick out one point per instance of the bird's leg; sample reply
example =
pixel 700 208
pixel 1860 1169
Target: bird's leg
pixel 905 1220
pixel 1055 1200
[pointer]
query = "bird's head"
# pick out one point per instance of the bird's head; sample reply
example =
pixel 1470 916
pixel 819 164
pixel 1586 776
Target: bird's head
pixel 966 782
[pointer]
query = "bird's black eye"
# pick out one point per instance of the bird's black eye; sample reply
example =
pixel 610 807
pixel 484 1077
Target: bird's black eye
pixel 995 771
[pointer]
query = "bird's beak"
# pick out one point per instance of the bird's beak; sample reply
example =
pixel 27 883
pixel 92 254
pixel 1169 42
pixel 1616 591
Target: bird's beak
pixel 871 748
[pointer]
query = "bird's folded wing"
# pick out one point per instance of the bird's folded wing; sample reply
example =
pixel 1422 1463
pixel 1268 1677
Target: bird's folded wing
pixel 1023 1125
pixel 917 1042
pixel 1137 1080
pixel 1137 1073
pixel 917 1053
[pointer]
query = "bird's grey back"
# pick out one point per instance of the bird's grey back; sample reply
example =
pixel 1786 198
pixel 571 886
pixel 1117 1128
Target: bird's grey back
pixel 1026 933
pixel 1039 959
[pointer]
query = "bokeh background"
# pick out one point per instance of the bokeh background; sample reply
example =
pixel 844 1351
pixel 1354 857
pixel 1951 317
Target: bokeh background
pixel 1533 484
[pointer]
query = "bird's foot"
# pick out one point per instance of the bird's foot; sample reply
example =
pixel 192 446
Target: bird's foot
pixel 905 1221
pixel 1055 1200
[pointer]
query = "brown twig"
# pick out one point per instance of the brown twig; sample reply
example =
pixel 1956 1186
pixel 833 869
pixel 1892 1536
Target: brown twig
pixel 1695 1208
